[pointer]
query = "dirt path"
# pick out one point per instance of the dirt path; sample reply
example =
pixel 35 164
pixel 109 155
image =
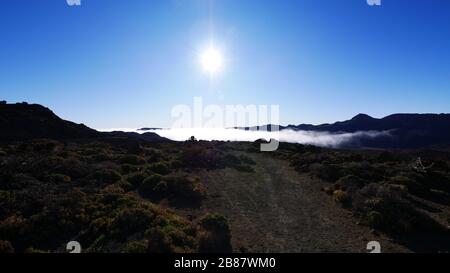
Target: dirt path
pixel 275 209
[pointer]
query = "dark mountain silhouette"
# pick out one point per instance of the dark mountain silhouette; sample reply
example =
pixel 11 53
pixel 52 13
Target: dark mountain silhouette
pixel 22 121
pixel 148 129
pixel 145 137
pixel 400 130
pixel 405 130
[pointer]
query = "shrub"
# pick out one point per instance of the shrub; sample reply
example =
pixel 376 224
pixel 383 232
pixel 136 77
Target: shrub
pixel 159 242
pixel 48 163
pixel 136 247
pixel 11 227
pixel 107 176
pixel 326 172
pixel 100 157
pixel 217 235
pixel 180 190
pixel 74 168
pixel 341 196
pixel 198 156
pixel 161 188
pixel 58 178
pixel 126 186
pixel 350 183
pixel 6 247
pixel 149 184
pixel 132 159
pixel 176 164
pixel 160 168
pixel 136 179
pixel 44 146
pixel 154 155
pixel 389 210
pixel 411 185
pixel 130 221
pixel 186 187
pixel 128 168
pixel 375 219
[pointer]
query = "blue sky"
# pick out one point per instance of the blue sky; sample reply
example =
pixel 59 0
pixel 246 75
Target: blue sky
pixel 118 63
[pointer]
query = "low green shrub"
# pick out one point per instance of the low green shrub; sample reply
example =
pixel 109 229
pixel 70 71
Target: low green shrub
pixel 132 159
pixel 159 168
pixel 375 219
pixel 128 168
pixel 136 178
pixel 216 236
pixel 327 172
pixel 58 178
pixel 140 246
pixel 107 176
pixel 148 185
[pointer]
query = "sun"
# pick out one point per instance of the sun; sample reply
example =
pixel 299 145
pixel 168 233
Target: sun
pixel 211 60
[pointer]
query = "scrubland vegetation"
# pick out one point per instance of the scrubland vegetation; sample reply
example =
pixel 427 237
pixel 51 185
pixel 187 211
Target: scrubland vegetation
pixel 107 197
pixel 404 194
pixel 122 196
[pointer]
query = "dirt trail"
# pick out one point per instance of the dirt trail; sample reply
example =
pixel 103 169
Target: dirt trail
pixel 276 209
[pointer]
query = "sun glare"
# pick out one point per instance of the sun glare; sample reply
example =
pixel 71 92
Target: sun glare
pixel 211 60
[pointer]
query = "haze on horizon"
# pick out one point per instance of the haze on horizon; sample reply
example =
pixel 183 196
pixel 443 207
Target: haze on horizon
pixel 113 64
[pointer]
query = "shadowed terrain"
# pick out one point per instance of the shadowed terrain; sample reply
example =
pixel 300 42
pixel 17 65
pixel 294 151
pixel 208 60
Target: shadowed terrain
pixel 276 209
pixel 122 192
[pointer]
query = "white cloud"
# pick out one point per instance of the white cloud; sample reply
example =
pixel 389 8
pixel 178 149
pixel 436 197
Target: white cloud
pixel 325 139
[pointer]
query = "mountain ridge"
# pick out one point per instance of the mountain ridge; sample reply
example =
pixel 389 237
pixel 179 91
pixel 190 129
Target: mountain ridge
pixel 405 130
pixel 23 121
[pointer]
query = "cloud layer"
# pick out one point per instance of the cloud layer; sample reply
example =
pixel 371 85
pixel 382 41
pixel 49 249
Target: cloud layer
pixel 324 139
pixel 304 137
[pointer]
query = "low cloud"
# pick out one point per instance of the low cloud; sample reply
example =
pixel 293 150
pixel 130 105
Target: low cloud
pixel 324 139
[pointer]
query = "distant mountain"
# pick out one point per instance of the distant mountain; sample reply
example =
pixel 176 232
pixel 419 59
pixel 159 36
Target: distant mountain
pixel 400 130
pixel 405 130
pixel 148 129
pixel 146 137
pixel 22 121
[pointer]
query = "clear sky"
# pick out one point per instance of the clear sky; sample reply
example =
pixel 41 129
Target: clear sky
pixel 126 63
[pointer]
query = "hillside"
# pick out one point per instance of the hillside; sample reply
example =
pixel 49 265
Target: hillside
pixel 22 121
pixel 29 121
pixel 406 130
